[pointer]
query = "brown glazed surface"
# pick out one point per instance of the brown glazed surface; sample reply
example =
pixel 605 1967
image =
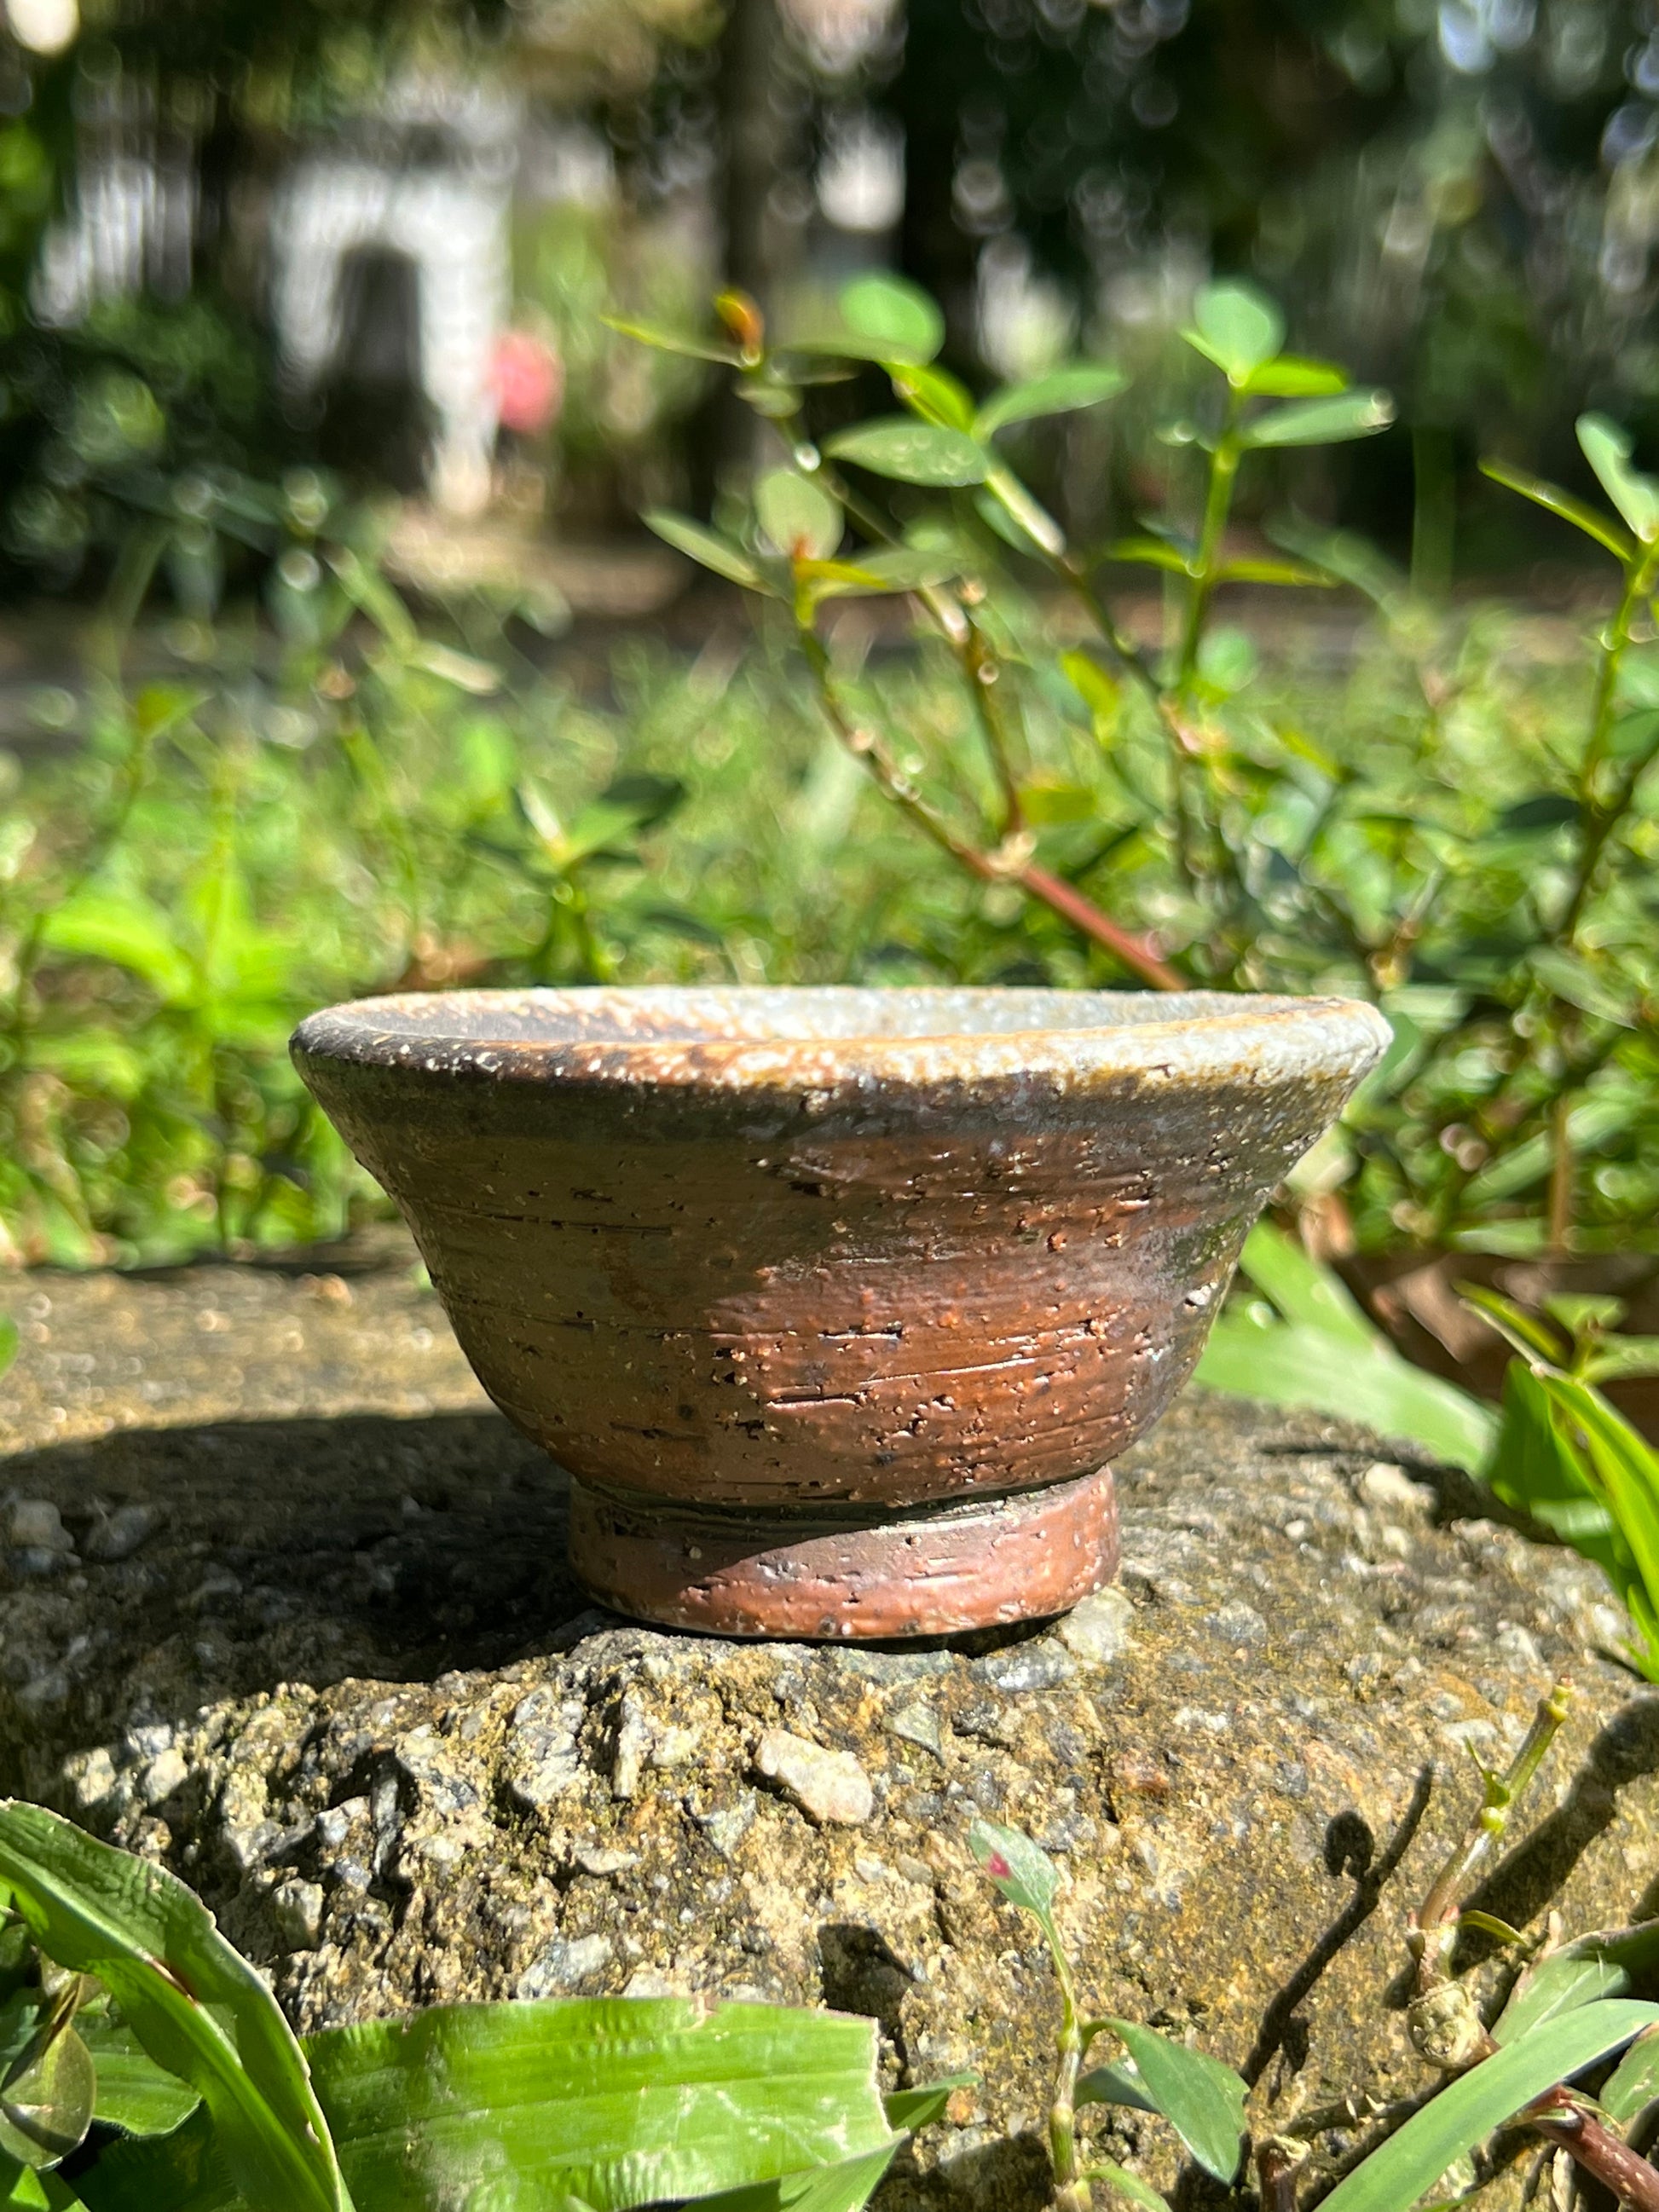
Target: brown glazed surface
pixel 791 1249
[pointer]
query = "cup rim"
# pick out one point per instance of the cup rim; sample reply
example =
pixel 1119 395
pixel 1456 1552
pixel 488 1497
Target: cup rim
pixel 1175 1038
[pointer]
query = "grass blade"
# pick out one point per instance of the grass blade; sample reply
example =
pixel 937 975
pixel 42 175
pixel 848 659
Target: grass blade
pixel 1468 2110
pixel 199 2009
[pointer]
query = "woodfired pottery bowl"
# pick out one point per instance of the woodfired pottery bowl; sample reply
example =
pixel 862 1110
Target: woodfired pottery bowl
pixel 834 1303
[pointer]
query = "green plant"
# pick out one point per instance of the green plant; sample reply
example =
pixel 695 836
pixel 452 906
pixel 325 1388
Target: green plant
pixel 791 542
pixel 354 805
pixel 1565 2012
pixel 144 2066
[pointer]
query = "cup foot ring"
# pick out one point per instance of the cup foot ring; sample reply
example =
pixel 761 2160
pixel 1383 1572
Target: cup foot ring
pixel 834 1576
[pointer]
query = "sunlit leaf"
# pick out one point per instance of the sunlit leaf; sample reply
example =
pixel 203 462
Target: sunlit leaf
pixel 127 931
pixel 922 2107
pixel 1019 1869
pixel 1607 448
pixel 914 452
pixel 936 396
pixel 690 343
pixel 615 2101
pixel 1252 570
pixel 895 315
pixel 702 545
pixel 1577 1973
pixel 1306 1292
pixel 801 518
pixel 199 2009
pixel 47 2096
pixel 1554 501
pixel 1202 2100
pixel 1078 383
pixel 1633 2084
pixel 1151 553
pixel 1322 421
pixel 1289 376
pixel 1468 2110
pixel 1237 327
pixel 1139 2192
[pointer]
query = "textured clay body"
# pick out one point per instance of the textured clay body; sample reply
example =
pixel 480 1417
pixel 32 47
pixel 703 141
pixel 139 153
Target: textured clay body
pixel 834 1303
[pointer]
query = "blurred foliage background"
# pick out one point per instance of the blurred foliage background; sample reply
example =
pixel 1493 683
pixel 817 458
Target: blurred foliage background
pixel 1458 200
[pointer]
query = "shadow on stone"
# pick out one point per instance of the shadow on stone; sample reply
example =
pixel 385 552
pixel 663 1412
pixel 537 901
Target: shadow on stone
pixel 259 1552
pixel 1527 1878
pixel 862 1973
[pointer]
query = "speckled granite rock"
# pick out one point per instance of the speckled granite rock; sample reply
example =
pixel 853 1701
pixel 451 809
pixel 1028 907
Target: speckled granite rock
pixel 282 1603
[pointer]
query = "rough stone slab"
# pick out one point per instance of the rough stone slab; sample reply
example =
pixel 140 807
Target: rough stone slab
pixel 332 1669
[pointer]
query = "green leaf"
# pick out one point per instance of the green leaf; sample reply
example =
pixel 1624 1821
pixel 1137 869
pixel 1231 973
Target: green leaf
pixel 665 340
pixel 1304 1291
pixel 714 552
pixel 134 2093
pixel 128 932
pixel 935 395
pixel 1554 501
pixel 1322 421
pixel 1100 692
pixel 1202 2100
pixel 1299 1365
pixel 1290 377
pixel 1061 392
pixel 1578 1974
pixel 1254 571
pixel 919 2107
pixel 914 452
pixel 1634 2082
pixel 897 318
pixel 1024 510
pixel 1607 448
pixel 23 2190
pixel 846 2186
pixel 1237 327
pixel 803 521
pixel 1624 1469
pixel 1128 2184
pixel 47 2096
pixel 617 2102
pixel 1468 2110
pixel 897 569
pixel 1019 1869
pixel 1152 553
pixel 8 1342
pixel 1618 1359
pixel 199 2009
pixel 1118 2084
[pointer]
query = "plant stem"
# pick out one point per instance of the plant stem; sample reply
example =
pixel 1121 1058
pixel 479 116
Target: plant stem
pixel 1602 817
pixel 1071 2190
pixel 1433 1928
pixel 1218 505
pixel 1060 897
pixel 1560 1213
pixel 1591 2144
pixel 1276 2173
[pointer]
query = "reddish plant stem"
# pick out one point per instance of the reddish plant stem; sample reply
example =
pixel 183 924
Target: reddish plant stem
pixel 1084 914
pixel 1275 2173
pixel 1590 2143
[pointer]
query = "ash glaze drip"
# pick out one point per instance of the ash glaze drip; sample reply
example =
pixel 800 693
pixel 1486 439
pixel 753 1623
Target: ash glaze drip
pixel 880 1253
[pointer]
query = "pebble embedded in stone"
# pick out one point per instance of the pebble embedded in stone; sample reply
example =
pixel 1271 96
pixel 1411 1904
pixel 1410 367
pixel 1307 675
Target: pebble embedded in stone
pixel 918 1724
pixel 297 1909
pixel 34 1524
pixel 1040 1665
pixel 831 1786
pixel 1097 1631
pixel 116 1536
pixel 563 1966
